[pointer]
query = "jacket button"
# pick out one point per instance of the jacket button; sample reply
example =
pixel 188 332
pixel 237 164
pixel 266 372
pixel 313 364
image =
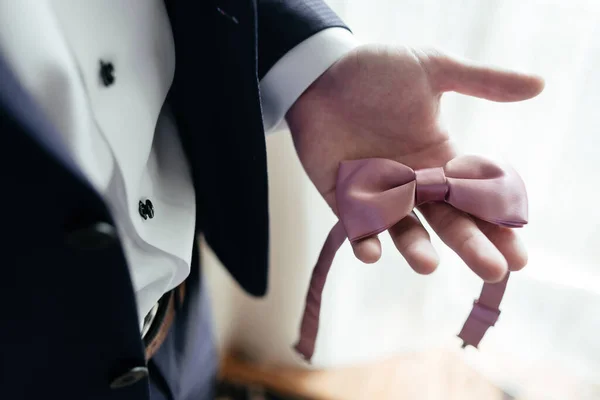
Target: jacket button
pixel 107 73
pixel 129 378
pixel 93 237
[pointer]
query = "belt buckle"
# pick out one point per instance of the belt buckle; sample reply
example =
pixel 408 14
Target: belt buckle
pixel 149 319
pixel 159 319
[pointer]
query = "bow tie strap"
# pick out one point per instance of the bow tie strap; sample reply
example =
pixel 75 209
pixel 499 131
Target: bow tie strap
pixel 374 194
pixel 309 327
pixel 484 314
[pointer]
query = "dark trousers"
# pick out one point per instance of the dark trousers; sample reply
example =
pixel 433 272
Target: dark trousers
pixel 185 366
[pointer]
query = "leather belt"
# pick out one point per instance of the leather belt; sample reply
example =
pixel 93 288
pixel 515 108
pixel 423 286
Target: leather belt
pixel 159 320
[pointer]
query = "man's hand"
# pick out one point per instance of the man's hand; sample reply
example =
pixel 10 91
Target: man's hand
pixel 384 102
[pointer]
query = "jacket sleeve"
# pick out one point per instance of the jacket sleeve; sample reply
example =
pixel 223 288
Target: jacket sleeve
pixel 283 24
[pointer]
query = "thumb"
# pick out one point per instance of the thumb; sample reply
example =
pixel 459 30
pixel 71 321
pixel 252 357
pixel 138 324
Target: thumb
pixel 451 74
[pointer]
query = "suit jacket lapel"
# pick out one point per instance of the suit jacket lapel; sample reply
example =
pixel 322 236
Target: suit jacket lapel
pixel 216 100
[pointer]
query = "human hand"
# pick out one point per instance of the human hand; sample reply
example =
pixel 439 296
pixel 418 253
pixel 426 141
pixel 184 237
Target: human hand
pixel 384 102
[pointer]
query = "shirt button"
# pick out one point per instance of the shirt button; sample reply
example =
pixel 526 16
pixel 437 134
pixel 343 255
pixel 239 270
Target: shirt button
pixel 129 378
pixel 107 73
pixel 93 237
pixel 150 208
pixel 146 209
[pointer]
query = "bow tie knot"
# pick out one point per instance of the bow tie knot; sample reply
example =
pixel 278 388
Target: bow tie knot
pixel 431 185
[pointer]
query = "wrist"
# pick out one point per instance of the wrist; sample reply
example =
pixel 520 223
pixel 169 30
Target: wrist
pixel 285 83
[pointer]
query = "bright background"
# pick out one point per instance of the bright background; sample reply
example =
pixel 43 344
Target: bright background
pixel 550 326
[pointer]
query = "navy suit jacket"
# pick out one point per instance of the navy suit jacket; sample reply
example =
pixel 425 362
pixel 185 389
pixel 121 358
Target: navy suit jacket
pixel 68 317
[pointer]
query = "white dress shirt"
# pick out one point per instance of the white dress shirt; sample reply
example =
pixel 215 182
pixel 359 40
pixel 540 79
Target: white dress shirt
pixel 122 135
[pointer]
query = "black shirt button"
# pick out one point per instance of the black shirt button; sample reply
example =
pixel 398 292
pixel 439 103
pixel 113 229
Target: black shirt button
pixel 93 237
pixel 150 209
pixel 142 210
pixel 129 378
pixel 107 73
pixel 146 209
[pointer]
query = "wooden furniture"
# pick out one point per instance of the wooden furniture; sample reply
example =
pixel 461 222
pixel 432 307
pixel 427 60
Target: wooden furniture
pixel 438 375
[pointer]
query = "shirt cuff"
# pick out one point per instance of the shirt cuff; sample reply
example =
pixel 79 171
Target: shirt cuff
pixel 297 70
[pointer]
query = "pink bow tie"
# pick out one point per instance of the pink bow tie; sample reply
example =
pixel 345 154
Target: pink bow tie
pixel 374 194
